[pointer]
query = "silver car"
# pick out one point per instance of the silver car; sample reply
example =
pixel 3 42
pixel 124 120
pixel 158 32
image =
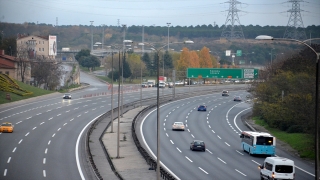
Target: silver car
pixel 178 126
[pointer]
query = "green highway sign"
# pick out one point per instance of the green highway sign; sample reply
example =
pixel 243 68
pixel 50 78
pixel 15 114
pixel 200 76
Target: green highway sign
pixel 239 53
pixel 245 73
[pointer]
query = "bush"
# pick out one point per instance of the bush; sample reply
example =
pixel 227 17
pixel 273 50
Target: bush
pixel 295 129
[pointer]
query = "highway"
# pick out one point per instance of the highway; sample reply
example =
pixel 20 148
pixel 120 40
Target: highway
pixel 47 142
pixel 219 127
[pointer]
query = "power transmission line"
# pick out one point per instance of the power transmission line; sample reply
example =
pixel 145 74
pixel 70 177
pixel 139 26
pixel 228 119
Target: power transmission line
pixel 295 28
pixel 232 27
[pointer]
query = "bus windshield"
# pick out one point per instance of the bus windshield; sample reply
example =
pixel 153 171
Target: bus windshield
pixel 264 141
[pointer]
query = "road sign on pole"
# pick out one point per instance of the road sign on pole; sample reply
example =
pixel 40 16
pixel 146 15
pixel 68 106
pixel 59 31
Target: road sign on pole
pixel 248 73
pixel 239 53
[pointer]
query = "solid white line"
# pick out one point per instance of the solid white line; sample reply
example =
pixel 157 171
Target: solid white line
pixel 5 172
pixel 9 160
pixel 14 149
pixel 189 159
pixel 20 141
pixel 77 147
pixel 44 173
pixel 203 170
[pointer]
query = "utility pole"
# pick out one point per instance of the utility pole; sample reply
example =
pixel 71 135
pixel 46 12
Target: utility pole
pixel 123 49
pixel 168 34
pixel 91 36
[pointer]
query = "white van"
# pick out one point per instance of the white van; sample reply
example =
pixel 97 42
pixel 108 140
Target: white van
pixel 277 168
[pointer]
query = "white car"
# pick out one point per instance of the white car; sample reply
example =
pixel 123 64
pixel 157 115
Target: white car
pixel 66 96
pixel 178 126
pixel 162 85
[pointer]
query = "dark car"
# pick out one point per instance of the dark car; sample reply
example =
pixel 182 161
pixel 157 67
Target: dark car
pixel 67 96
pixel 237 98
pixel 197 145
pixel 202 108
pixel 225 93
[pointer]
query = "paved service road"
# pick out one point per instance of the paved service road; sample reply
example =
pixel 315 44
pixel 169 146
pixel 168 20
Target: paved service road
pixel 219 127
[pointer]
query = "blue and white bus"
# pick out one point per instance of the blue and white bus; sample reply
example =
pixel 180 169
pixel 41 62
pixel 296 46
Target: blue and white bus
pixel 258 143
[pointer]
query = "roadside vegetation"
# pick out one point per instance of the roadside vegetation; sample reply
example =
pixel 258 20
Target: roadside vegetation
pixel 14 97
pixel 285 100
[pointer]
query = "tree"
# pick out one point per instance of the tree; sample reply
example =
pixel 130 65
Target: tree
pixel 136 64
pixel 146 59
pixel 81 53
pixel 184 60
pixel 89 62
pixel 23 60
pixel 126 68
pixel 205 60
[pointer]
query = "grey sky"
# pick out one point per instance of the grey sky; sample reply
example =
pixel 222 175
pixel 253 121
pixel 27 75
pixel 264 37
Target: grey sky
pixel 153 12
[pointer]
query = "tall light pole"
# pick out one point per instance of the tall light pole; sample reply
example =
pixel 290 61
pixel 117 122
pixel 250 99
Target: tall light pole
pixel 168 24
pixel 158 102
pixel 142 51
pixel 123 49
pixel 102 36
pixel 118 131
pixel 112 92
pixel 91 36
pixel 264 37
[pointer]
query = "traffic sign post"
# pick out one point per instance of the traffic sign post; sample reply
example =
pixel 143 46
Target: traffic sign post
pixel 218 73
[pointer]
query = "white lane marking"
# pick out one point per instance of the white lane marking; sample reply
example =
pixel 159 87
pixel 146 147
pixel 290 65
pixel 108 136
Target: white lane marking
pixel 164 129
pixel 77 148
pixel 186 121
pixel 255 162
pixel 178 149
pixel 164 124
pixel 76 108
pixel 167 134
pixel 27 134
pixel 207 117
pixel 34 128
pixel 192 135
pixel 222 160
pixel 165 119
pixel 49 110
pixel 68 111
pixel 209 151
pixel 169 112
pixel 29 117
pixel 189 159
pixel 20 141
pixel 86 112
pixel 219 137
pixel 46 151
pixel 186 125
pixel 239 152
pixel 44 161
pixel 203 170
pixel 38 114
pixel 53 134
pixel 207 122
pixel 71 119
pixel 49 142
pixel 9 159
pixel 209 126
pixel 14 149
pixel 5 172
pixel 171 141
pixel 44 173
pixel 50 118
pixel 188 130
pixel 41 123
pixel 240 172
pixel 65 124
pixel 79 115
pixel 226 143
pixel 58 114
pixel 213 131
pixel 234 120
pixel 59 129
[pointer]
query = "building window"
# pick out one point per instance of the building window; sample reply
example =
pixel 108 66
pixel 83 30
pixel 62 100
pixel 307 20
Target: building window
pixel 42 42
pixel 7 73
pixel 39 49
pixel 39 42
pixel 42 49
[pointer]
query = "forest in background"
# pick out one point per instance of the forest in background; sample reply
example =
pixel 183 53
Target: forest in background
pixel 79 37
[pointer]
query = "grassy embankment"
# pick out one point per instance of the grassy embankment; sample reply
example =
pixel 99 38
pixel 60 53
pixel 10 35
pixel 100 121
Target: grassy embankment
pixel 14 97
pixel 303 143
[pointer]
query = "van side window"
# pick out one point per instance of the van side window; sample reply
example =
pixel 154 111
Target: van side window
pixel 268 166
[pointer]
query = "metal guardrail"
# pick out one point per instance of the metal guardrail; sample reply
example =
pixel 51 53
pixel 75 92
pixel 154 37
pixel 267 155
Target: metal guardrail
pixel 153 164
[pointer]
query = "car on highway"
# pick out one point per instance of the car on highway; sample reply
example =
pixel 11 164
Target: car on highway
pixel 237 98
pixel 162 85
pixel 202 108
pixel 6 127
pixel 170 84
pixel 197 145
pixel 225 93
pixel 144 84
pixel 178 126
pixel 66 96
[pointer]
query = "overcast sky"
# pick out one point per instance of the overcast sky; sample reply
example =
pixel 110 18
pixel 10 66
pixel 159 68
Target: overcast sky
pixel 154 12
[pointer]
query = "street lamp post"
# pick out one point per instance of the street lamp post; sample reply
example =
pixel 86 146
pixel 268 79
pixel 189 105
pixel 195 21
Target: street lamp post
pixel 265 37
pixel 112 92
pixel 91 36
pixel 102 37
pixel 158 102
pixel 168 34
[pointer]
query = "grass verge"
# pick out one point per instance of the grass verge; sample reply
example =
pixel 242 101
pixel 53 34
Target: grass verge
pixel 303 143
pixel 14 97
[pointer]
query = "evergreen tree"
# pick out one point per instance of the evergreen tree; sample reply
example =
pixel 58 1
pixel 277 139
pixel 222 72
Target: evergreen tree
pixel 168 61
pixel 126 68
